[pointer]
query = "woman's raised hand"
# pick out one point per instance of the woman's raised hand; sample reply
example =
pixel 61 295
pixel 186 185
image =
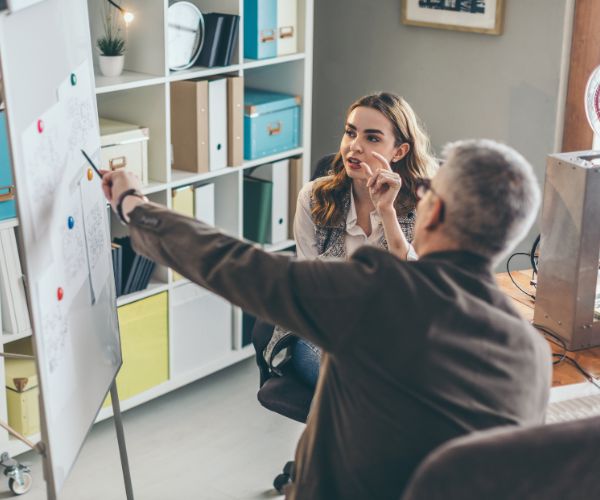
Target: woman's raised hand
pixel 384 185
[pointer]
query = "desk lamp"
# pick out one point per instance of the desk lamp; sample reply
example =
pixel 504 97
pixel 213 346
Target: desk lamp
pixel 127 16
pixel 567 297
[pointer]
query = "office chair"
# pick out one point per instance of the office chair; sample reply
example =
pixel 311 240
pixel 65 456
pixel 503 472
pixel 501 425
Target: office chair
pixel 548 462
pixel 283 393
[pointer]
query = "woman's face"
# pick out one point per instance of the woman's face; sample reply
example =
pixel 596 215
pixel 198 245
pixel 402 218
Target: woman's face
pixel 367 130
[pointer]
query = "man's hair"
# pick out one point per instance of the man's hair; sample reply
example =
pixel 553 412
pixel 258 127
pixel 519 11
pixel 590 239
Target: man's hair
pixel 491 196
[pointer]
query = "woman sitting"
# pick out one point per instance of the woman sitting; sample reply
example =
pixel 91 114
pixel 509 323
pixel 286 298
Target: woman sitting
pixel 368 197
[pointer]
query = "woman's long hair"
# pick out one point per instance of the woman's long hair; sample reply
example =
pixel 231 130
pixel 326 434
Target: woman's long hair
pixel 329 193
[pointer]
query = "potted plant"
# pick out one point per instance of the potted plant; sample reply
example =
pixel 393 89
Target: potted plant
pixel 112 48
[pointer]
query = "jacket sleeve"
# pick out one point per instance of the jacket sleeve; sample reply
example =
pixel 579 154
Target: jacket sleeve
pixel 321 301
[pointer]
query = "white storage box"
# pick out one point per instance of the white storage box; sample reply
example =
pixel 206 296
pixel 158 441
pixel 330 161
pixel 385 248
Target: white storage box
pixel 201 326
pixel 124 145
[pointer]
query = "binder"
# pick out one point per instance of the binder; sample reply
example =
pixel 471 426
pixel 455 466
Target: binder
pixel 189 125
pixel 228 40
pixel 15 315
pixel 296 183
pixel 117 259
pixel 287 27
pixel 257 208
pixel 217 124
pixel 235 121
pixel 278 174
pixel 204 202
pixel 183 202
pixel 213 33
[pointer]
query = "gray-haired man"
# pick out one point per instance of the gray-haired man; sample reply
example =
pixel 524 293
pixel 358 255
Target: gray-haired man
pixel 415 353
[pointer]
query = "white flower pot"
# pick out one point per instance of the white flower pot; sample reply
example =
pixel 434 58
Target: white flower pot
pixel 111 65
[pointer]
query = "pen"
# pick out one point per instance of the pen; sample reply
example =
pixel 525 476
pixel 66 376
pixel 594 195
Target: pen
pixel 92 163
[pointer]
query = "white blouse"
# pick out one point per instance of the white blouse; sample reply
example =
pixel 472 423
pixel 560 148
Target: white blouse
pixel 305 231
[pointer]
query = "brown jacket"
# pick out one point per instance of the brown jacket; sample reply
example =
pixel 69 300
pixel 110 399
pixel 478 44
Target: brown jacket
pixel 416 353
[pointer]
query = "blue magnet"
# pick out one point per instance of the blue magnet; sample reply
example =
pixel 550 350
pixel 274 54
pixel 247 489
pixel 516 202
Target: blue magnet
pixel 70 222
pixel 73 79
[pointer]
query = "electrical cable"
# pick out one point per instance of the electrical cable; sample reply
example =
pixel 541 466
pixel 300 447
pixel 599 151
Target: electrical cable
pixel 511 277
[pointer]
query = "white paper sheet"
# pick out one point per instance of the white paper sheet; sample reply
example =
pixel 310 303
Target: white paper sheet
pixel 57 359
pixel 44 164
pixel 76 95
pixel 96 233
pixel 69 247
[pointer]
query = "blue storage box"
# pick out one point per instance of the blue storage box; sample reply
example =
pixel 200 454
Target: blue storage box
pixel 271 123
pixel 260 29
pixel 7 187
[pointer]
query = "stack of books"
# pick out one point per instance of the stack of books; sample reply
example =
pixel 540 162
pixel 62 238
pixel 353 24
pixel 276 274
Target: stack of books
pixel 220 39
pixel 132 271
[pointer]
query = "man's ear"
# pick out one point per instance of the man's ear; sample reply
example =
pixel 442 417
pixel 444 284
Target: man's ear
pixel 401 152
pixel 435 214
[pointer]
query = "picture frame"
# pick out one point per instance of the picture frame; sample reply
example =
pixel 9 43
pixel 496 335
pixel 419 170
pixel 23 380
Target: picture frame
pixel 473 16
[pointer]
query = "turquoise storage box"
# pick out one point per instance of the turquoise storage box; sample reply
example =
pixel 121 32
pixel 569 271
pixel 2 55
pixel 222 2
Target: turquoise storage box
pixel 7 187
pixel 260 29
pixel 271 123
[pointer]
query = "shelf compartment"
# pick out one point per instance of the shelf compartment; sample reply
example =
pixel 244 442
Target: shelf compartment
pixel 127 80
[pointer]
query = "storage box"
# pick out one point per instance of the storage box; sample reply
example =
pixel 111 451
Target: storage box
pixel 7 187
pixel 271 123
pixel 201 328
pixel 144 344
pixel 287 27
pixel 124 145
pixel 22 396
pixel 260 29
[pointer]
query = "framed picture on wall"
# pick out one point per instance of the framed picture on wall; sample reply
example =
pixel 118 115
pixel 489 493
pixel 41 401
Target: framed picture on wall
pixel 477 16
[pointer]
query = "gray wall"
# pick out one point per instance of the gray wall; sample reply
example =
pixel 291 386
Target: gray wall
pixel 462 85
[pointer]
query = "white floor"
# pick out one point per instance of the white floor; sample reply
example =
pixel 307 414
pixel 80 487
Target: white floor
pixel 210 440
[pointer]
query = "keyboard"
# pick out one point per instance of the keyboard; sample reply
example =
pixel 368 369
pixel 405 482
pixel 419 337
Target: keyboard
pixel 573 409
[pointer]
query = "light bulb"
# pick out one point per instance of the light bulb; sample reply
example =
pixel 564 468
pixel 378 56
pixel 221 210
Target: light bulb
pixel 128 17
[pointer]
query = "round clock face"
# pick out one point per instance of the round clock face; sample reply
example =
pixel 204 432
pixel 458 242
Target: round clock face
pixel 592 101
pixel 185 35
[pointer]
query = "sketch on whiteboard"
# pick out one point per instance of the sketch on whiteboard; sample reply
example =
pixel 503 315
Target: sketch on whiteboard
pixel 96 233
pixel 76 96
pixel 69 246
pixel 44 145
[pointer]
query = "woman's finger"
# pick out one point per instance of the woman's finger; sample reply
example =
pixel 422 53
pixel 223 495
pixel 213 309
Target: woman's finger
pixel 368 169
pixel 384 163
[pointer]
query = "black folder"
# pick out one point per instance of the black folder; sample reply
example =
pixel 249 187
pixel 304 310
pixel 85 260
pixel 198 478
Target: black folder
pixel 229 39
pixel 213 33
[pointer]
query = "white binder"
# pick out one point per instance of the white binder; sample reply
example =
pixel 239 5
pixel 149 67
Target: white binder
pixel 278 174
pixel 15 316
pixel 205 203
pixel 217 124
pixel 287 27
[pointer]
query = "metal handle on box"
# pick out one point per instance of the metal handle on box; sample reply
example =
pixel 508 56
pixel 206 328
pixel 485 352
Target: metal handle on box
pixel 267 36
pixel 276 130
pixel 286 32
pixel 7 196
pixel 117 163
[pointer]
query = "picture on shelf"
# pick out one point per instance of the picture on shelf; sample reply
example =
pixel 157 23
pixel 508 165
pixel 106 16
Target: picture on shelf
pixel 477 16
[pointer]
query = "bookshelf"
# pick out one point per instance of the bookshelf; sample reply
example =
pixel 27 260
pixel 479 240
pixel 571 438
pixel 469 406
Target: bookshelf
pixel 141 95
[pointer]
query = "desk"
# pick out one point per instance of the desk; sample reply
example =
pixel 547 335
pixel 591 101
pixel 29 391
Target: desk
pixel 567 381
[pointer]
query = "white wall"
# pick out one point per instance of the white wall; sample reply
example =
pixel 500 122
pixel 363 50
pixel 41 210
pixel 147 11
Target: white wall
pixel 462 85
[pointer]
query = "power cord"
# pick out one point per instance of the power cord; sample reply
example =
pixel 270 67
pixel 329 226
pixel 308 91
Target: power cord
pixel 511 277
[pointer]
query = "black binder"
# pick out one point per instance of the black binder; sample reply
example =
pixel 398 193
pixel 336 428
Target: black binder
pixel 213 33
pixel 227 44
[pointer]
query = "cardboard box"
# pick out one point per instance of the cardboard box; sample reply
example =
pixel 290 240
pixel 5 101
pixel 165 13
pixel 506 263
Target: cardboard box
pixel 22 396
pixel 124 145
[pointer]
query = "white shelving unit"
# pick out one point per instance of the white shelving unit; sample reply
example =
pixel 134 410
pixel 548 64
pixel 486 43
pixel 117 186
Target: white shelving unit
pixel 141 95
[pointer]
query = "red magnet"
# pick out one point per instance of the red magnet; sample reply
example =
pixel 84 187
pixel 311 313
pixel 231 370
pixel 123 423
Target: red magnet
pixel 40 126
pixel 60 293
pixel 90 174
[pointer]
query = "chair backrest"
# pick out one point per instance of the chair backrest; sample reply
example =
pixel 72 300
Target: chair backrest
pixel 548 462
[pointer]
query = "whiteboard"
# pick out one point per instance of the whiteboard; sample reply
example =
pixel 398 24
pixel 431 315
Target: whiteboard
pixel 47 71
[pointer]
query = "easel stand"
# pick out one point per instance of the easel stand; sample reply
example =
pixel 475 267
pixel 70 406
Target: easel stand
pixel 19 475
pixel 114 397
